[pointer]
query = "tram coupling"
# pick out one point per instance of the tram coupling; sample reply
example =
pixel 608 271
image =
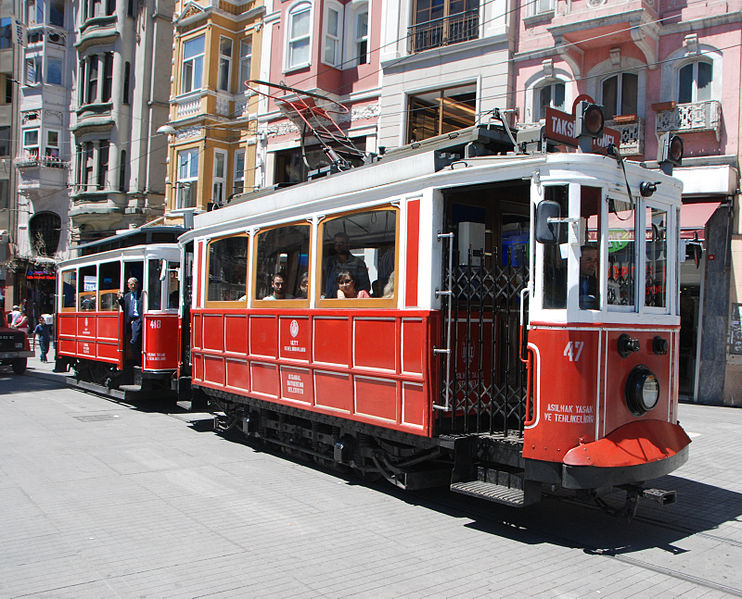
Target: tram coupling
pixel 635 493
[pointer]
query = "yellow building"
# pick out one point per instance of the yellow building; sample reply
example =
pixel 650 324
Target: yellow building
pixel 211 132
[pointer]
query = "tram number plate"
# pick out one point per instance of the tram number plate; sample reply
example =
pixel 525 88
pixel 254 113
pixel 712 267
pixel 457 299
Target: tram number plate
pixel 155 324
pixel 573 350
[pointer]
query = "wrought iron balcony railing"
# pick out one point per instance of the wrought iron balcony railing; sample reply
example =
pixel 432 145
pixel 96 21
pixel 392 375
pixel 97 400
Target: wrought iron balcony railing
pixel 632 134
pixel 444 31
pixel 689 118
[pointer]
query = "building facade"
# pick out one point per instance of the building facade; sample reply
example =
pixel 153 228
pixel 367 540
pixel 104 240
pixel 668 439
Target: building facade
pixel 212 128
pixel 119 100
pixel 657 68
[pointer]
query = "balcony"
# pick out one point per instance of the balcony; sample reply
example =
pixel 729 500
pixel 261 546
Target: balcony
pixel 631 128
pixel 31 159
pixel 453 29
pixel 188 105
pixel 689 118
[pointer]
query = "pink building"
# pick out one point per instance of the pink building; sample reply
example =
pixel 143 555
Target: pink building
pixel 327 47
pixel 659 66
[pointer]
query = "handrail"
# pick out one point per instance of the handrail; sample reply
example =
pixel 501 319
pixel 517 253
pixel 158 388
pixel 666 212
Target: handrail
pixel 447 351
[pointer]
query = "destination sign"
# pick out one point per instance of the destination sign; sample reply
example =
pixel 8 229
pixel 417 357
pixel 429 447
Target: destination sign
pixel 560 126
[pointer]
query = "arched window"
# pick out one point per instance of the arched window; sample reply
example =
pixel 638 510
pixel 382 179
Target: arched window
pixel 44 229
pixel 694 82
pixel 298 39
pixel 550 93
pixel 619 94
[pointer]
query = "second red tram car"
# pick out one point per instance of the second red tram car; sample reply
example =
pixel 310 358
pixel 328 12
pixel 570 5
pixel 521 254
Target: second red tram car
pixel 507 323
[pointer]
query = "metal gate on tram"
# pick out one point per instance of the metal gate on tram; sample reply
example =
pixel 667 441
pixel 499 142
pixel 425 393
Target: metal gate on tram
pixel 483 381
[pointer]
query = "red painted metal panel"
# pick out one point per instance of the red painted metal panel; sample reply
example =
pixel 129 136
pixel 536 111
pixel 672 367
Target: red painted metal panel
pixel 107 352
pixel 264 336
pixel 235 333
pixel 294 335
pixel 376 398
pixel 86 326
pixel 414 345
pixel 296 384
pixel 160 341
pixel 197 330
pixel 618 371
pixel 238 374
pixel 566 392
pixel 213 332
pixel 67 325
pixel 197 360
pixel 109 326
pixel 333 390
pixel 415 407
pixel 67 347
pixel 265 379
pixel 413 240
pixel 85 349
pixel 375 344
pixel 214 370
pixel 199 273
pixel 332 340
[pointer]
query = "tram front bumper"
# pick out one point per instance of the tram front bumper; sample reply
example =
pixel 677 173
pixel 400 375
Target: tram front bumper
pixel 633 453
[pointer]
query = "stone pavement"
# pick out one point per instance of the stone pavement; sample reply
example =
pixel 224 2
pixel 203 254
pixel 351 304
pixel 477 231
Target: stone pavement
pixel 100 499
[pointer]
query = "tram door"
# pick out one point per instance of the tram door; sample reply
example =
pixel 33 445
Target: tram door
pixel 486 381
pixel 133 269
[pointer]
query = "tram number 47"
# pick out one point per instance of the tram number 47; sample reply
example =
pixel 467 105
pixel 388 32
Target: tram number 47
pixel 155 324
pixel 573 350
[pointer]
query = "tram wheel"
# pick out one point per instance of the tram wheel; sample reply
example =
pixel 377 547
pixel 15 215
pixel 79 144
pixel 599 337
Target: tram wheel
pixel 19 365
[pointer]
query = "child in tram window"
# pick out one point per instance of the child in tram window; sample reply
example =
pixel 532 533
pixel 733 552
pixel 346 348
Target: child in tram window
pixel 347 287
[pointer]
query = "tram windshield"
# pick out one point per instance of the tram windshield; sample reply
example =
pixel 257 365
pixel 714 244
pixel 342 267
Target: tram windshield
pixel 621 253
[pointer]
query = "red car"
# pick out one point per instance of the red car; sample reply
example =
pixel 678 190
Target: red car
pixel 14 347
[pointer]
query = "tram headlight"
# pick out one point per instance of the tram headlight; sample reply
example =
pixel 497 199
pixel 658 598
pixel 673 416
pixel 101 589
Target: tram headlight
pixel 642 390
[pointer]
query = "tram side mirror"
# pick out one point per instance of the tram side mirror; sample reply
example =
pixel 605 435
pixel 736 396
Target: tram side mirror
pixel 549 232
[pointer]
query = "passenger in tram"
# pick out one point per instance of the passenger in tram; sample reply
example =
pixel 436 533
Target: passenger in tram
pixel 589 294
pixel 303 287
pixel 343 260
pixel 278 285
pixel 347 287
pixel 389 287
pixel 132 305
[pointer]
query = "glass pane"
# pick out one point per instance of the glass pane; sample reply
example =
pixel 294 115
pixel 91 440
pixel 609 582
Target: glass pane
pixel 173 285
pixel 219 164
pixel 54 71
pixel 590 203
pixel 154 286
pixel 359 255
pixel 685 84
pixel 227 269
pixel 299 52
pixel 69 286
pixel 300 23
pixel 621 253
pixel 283 263
pixel 558 96
pixel 109 284
pixel 555 265
pixel 193 47
pixel 362 25
pixel 87 291
pixel 332 22
pixel 629 91
pixel 610 97
pixel 655 241
pixel 225 47
pixel 705 75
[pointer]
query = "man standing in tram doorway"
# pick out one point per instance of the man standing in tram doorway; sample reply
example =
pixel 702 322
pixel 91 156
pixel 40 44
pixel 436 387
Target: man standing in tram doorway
pixel 131 303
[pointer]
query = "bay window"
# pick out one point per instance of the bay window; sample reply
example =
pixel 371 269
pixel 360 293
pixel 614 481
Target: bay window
pixel 193 64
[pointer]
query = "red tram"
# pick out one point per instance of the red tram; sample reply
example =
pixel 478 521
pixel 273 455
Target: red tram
pixel 92 338
pixel 506 323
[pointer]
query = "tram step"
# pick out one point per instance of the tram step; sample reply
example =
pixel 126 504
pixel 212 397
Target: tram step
pixel 491 492
pixel 130 388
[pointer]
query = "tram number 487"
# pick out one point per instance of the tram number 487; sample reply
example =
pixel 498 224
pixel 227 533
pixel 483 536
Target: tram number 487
pixel 155 324
pixel 573 350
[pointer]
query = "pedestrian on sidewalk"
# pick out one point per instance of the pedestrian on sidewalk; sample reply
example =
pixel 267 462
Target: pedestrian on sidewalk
pixel 44 336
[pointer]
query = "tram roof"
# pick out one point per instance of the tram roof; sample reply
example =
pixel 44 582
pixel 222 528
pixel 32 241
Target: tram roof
pixel 143 235
pixel 405 168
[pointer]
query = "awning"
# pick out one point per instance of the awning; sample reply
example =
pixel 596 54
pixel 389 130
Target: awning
pixel 693 218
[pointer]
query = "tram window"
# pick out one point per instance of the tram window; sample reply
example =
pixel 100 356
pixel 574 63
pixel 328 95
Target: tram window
pixel 109 284
pixel 227 269
pixel 87 291
pixel 590 212
pixel 359 248
pixel 173 285
pixel 154 287
pixel 555 264
pixel 621 253
pixel 282 263
pixel 655 243
pixel 69 289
